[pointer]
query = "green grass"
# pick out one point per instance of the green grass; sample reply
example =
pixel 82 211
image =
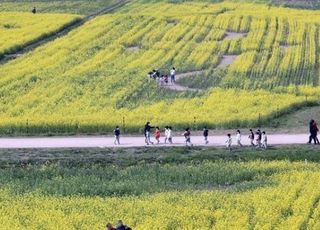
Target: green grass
pixel 296 121
pixel 113 172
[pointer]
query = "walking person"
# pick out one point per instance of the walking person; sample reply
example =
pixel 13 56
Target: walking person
pixel 170 134
pixel 187 136
pixel 34 10
pixel 264 140
pixel 147 130
pixel 157 135
pixel 316 130
pixel 313 132
pixel 166 132
pixel 173 75
pixel 229 142
pixel 116 133
pixel 238 138
pixel 205 135
pixel 258 139
pixel 251 138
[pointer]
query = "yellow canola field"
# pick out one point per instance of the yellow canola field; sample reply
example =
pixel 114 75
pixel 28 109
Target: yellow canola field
pixel 220 108
pixel 96 77
pixel 18 29
pixel 289 201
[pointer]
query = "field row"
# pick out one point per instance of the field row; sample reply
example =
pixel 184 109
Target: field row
pixel 220 195
pixel 19 29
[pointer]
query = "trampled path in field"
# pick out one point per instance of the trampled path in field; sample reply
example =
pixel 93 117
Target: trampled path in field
pixel 135 141
pixel 176 86
pixel 62 32
pixel 225 61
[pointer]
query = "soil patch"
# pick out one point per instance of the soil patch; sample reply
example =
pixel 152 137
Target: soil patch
pixel 227 60
pixel 285 47
pixel 233 35
pixel 133 48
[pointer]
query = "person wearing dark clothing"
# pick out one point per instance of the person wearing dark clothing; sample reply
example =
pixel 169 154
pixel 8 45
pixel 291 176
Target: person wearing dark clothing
pixel 158 74
pixel 187 136
pixel 116 133
pixel 121 226
pixel 316 130
pixel 259 137
pixel 205 135
pixel 251 137
pixel 313 129
pixel 147 131
pixel 34 10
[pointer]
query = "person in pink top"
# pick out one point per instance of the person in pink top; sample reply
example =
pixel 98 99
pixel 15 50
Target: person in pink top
pixel 157 134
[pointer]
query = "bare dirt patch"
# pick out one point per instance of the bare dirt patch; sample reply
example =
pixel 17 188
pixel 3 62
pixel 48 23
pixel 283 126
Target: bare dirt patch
pixel 133 48
pixel 284 48
pixel 227 60
pixel 234 35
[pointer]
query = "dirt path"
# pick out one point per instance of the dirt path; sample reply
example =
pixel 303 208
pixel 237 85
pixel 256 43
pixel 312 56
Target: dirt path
pixel 176 86
pixel 62 32
pixel 227 60
pixel 134 141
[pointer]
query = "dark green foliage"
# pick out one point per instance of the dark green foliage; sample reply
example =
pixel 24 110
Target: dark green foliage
pixel 107 172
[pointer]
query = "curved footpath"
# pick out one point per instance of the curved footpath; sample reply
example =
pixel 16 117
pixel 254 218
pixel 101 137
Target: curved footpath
pixel 134 141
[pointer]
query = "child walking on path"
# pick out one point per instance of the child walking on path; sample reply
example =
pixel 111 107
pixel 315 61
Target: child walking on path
pixel 251 137
pixel 238 136
pixel 205 135
pixel 157 135
pixel 187 136
pixel 116 133
pixel 264 140
pixel 166 134
pixel 229 142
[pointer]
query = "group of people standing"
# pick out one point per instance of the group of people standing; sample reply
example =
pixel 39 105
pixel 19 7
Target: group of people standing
pixel 163 79
pixel 313 128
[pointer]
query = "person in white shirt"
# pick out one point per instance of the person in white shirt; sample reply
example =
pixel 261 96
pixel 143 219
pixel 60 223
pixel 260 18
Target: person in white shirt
pixel 166 134
pixel 264 140
pixel 173 75
pixel 229 142
pixel 238 137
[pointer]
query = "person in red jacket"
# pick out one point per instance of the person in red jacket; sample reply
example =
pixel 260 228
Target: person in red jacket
pixel 157 134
